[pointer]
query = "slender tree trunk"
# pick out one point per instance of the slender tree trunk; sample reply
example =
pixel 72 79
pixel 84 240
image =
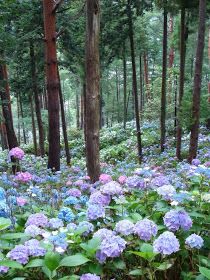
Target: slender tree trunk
pixel 82 108
pixel 175 106
pixel 135 91
pixel 146 76
pixel 117 91
pixel 124 89
pixel 92 105
pixel 37 101
pixel 63 119
pixel 181 84
pixel 197 82
pixel 163 90
pixel 52 85
pixel 22 119
pixel 77 110
pixel 33 126
pixel 171 61
pixel 4 141
pixel 208 120
pixel 18 115
pixel 141 83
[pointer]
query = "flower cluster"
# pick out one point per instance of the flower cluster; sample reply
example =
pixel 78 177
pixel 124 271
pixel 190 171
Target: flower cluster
pixel 166 243
pixel 89 276
pixel 99 198
pixel 38 219
pixel 124 227
pixel 194 241
pixel 174 220
pixel 16 153
pixel 66 214
pixel 23 177
pixel 166 191
pixel 111 188
pixel 95 211
pixel 145 229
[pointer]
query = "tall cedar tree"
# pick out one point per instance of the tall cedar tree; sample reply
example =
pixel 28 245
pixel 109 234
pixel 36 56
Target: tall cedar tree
pixel 181 82
pixel 135 91
pixel 208 120
pixel 197 82
pixel 163 90
pixel 92 96
pixel 49 9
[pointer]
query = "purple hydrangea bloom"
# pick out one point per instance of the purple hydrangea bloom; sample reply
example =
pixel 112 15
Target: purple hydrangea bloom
pixel 38 219
pixel 175 219
pixel 160 181
pixel 33 230
pixel 166 243
pixel 124 227
pixel 16 153
pixel 196 162
pixel 20 254
pixel 23 177
pixel 89 276
pixel 99 198
pixel 74 192
pixel 103 233
pixel 95 211
pixel 3 269
pixel 166 191
pixel 111 188
pixel 71 226
pixel 194 241
pixel 55 223
pixel 145 229
pixel 135 182
pixel 88 227
pixel 34 248
pixel 110 247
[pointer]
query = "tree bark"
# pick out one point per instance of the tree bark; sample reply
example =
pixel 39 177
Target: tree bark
pixel 22 118
pixel 146 76
pixel 124 89
pixel 197 82
pixel 77 110
pixel 141 83
pixel 92 106
pixel 63 119
pixel 37 101
pixel 163 90
pixel 82 108
pixel 181 84
pixel 52 85
pixel 208 120
pixel 33 126
pixel 135 91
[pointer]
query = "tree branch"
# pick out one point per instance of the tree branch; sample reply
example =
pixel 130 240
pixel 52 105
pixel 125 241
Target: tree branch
pixel 56 5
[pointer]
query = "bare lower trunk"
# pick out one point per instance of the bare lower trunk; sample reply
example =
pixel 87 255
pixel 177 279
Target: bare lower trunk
pixel 33 126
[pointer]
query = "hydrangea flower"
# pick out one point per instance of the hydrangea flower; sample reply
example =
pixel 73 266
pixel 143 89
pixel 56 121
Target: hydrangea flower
pixel 174 220
pixel 66 214
pixel 89 276
pixel 124 227
pixel 135 182
pixel 71 226
pixel 16 153
pixel 23 177
pixel 166 243
pixel 122 179
pixel 194 241
pixel 103 233
pixel 110 247
pixel 33 230
pixel 74 192
pixel 21 201
pixel 34 248
pixel 99 198
pixel 145 229
pixel 59 241
pixel 55 223
pixel 105 178
pixel 166 191
pixel 19 253
pixel 95 211
pixel 160 181
pixel 38 219
pixel 196 162
pixel 3 269
pixel 71 200
pixel 111 188
pixel 88 227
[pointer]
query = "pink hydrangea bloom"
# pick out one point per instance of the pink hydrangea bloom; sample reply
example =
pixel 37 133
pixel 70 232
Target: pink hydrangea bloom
pixel 69 183
pixel 105 178
pixel 21 201
pixel 16 153
pixel 122 179
pixel 23 177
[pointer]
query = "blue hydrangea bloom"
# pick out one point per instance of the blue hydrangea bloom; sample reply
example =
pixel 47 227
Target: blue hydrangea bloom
pixel 55 223
pixel 34 248
pixel 66 214
pixel 124 227
pixel 95 211
pixel 88 227
pixel 175 220
pixel 20 254
pixel 166 243
pixel 194 241
pixel 99 198
pixel 89 276
pixel 71 200
pixel 145 229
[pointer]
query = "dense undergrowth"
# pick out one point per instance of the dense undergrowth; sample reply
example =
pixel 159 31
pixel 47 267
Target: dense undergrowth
pixel 138 222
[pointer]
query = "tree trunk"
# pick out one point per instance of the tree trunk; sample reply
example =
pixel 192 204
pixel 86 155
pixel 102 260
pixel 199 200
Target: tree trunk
pixel 18 115
pixel 135 91
pixel 6 108
pixel 52 85
pixel 22 119
pixel 141 83
pixel 181 84
pixel 33 126
pixel 208 120
pixel 146 76
pixel 82 107
pixel 171 61
pixel 63 119
pixel 92 67
pixel 124 89
pixel 163 90
pixel 175 106
pixel 117 92
pixel 37 101
pixel 197 82
pixel 77 110
pixel 4 142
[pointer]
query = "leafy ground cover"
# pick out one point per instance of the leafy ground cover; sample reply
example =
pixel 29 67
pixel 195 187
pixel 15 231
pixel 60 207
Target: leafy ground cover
pixel 147 222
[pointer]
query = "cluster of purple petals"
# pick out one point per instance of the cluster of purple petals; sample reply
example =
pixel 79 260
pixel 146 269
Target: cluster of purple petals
pixel 166 243
pixel 111 188
pixel 88 227
pixel 176 219
pixel 160 181
pixel 98 198
pixel 34 248
pixel 55 223
pixel 104 233
pixel 134 182
pixel 23 177
pixel 89 276
pixel 33 230
pixel 110 247
pixel 16 153
pixel 3 269
pixel 105 178
pixel 124 227
pixel 38 219
pixel 71 226
pixel 145 229
pixel 194 241
pixel 166 191
pixel 196 162
pixel 95 211
pixel 74 192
